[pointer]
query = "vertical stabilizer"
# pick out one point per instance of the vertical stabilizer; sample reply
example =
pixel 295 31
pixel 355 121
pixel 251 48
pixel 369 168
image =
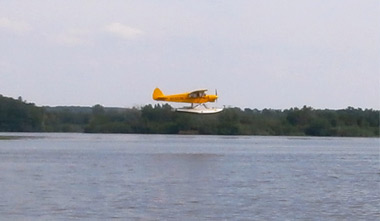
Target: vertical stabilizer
pixel 157 93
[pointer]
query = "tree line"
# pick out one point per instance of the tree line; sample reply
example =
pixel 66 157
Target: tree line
pixel 20 116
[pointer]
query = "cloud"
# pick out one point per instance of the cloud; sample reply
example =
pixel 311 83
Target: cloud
pixel 123 31
pixel 4 65
pixel 72 37
pixel 15 26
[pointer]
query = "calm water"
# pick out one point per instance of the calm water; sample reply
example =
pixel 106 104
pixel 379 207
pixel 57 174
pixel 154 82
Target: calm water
pixel 161 177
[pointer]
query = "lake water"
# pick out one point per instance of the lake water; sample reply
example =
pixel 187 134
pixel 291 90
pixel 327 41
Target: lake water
pixel 175 177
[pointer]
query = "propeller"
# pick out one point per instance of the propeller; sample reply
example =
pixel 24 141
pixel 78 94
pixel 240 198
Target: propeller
pixel 216 93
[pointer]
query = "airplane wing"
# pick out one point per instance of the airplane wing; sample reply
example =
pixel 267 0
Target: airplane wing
pixel 199 90
pixel 195 93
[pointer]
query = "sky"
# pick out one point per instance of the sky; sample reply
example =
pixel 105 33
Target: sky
pixel 257 53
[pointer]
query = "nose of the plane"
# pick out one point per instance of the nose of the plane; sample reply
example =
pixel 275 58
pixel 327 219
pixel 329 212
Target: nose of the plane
pixel 213 97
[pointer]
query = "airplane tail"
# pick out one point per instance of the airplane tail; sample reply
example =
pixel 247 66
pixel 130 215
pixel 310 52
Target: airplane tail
pixel 157 93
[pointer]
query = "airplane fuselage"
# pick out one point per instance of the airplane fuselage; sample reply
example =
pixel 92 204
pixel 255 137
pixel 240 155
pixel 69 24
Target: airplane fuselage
pixel 198 97
pixel 184 98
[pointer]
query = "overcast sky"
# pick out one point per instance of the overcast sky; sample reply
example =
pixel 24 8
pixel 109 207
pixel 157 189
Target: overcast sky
pixel 257 53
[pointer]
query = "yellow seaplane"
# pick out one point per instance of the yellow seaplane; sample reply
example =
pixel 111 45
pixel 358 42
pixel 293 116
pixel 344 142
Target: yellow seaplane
pixel 196 98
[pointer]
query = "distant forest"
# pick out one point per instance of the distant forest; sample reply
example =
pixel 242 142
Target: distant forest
pixel 17 115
